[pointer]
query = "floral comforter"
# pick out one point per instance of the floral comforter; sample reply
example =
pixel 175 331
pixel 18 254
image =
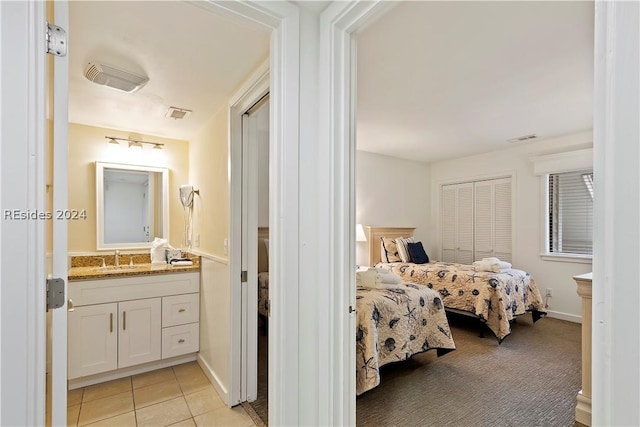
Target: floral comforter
pixel 395 323
pixel 495 298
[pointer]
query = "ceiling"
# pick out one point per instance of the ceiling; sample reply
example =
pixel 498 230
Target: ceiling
pixel 440 80
pixel 195 59
pixel 436 80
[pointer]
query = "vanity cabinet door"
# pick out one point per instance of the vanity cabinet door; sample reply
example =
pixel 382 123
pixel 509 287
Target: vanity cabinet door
pixel 93 340
pixel 139 323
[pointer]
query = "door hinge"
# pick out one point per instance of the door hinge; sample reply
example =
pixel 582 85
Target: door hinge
pixel 56 40
pixel 243 276
pixel 55 293
pixel 268 307
pixel 351 309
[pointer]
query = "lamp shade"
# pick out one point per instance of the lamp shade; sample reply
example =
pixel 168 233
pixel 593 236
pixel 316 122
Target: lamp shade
pixel 360 236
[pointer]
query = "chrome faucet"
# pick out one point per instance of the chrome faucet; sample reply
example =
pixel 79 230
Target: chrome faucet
pixel 117 259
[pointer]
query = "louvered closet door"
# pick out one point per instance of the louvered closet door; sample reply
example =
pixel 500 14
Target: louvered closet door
pixel 502 219
pixel 483 220
pixel 464 220
pixel 493 219
pixel 448 215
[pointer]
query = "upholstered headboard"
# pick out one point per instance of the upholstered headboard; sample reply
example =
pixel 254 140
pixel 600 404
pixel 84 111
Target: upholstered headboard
pixel 263 254
pixel 373 239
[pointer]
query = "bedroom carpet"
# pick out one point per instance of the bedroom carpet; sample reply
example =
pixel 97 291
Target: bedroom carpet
pixel 531 379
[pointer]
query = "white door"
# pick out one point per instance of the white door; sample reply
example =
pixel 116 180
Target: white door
pixel 140 331
pixel 57 166
pixel 93 346
pixel 255 135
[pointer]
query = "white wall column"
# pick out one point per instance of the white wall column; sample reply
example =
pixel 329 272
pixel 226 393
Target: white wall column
pixel 616 250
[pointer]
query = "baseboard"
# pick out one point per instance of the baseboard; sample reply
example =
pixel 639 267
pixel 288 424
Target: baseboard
pixel 213 379
pixel 564 316
pixel 129 371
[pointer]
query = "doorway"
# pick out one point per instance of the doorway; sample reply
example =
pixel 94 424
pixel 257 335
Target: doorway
pixel 255 141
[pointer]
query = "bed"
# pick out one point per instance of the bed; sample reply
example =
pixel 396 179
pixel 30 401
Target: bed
pixel 494 298
pixel 395 323
pixel 392 324
pixel 263 273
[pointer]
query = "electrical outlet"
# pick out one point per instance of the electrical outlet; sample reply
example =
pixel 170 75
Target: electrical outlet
pixel 549 292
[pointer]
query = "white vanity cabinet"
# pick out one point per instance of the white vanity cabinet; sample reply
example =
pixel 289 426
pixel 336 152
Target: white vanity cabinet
pixel 139 337
pixel 131 323
pixel 93 340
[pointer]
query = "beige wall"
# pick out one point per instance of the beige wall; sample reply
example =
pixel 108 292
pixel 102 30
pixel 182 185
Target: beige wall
pixel 88 145
pixel 209 173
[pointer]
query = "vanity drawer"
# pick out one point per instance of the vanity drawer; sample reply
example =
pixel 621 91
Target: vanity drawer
pixel 180 309
pixel 178 340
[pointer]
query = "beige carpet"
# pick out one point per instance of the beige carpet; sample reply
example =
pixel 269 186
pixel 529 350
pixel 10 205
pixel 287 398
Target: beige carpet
pixel 531 379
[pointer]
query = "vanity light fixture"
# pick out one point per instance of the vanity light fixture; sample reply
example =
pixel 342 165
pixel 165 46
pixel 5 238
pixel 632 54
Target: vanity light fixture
pixel 134 144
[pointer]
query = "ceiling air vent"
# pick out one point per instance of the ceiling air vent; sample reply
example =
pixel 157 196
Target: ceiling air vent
pixel 177 113
pixel 114 77
pixel 523 138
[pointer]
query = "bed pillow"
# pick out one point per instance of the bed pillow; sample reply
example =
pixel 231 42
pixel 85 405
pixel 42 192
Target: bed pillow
pixel 389 250
pixel 417 253
pixel 403 252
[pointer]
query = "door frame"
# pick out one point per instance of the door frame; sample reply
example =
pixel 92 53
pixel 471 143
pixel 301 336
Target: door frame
pixel 22 187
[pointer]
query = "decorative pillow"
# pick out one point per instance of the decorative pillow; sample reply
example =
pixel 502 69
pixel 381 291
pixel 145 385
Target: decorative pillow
pixel 402 248
pixel 389 250
pixel 417 253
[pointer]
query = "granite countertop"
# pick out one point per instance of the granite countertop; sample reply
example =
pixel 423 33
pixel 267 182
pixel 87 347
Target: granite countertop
pixel 87 268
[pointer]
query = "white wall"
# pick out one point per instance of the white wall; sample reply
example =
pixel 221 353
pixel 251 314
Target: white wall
pixel 392 192
pixel 528 221
pixel 215 324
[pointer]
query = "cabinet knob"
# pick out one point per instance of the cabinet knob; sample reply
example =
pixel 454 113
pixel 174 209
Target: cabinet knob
pixel 180 341
pixel 182 310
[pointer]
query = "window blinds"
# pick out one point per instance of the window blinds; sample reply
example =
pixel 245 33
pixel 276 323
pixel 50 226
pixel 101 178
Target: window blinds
pixel 571 212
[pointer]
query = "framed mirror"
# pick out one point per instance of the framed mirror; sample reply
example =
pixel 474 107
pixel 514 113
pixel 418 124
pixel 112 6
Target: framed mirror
pixel 132 205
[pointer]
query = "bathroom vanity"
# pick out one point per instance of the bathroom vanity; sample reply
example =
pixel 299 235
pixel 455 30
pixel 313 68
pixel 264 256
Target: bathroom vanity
pixel 131 320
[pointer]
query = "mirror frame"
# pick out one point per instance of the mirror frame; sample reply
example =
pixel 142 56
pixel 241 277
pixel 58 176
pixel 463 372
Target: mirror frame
pixel 100 167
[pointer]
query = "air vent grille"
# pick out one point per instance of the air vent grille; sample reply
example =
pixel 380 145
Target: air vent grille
pixel 114 77
pixel 523 138
pixel 177 113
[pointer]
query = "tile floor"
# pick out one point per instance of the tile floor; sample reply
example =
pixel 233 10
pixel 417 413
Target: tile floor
pixel 177 396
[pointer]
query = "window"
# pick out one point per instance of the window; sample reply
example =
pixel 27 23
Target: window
pixel 570 221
